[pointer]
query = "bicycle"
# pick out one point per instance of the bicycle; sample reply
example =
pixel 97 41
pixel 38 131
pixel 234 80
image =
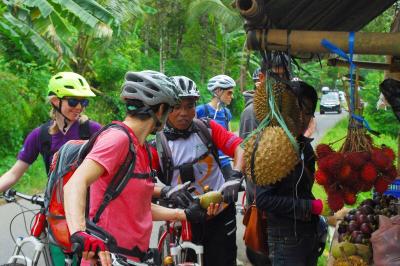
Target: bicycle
pixel 37 237
pixel 175 241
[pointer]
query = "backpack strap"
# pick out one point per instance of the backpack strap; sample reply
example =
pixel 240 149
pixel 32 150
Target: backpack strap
pixel 203 126
pixel 45 143
pixel 84 130
pixel 164 152
pixel 124 173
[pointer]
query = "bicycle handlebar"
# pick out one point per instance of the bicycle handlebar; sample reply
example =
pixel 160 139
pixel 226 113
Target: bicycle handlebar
pixel 10 194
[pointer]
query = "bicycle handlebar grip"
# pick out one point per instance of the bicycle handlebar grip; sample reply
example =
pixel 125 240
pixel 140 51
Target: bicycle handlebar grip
pixel 77 248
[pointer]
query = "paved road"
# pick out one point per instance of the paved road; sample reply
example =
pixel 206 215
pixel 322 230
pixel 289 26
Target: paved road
pixel 8 211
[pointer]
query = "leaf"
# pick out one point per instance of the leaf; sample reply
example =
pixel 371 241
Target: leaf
pixel 14 36
pixel 43 5
pixel 79 12
pixel 96 10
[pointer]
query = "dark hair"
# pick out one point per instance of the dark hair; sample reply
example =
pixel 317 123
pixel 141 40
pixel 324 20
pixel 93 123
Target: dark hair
pixel 136 108
pixel 276 59
pixel 308 92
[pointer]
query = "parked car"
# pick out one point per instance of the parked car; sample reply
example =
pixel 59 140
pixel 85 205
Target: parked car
pixel 330 102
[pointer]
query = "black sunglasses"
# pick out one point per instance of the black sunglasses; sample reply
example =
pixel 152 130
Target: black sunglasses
pixel 73 102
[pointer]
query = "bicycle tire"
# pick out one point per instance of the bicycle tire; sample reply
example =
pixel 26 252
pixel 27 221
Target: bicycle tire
pixel 165 251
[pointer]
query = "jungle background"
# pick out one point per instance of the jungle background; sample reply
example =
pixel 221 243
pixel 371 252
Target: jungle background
pixel 104 39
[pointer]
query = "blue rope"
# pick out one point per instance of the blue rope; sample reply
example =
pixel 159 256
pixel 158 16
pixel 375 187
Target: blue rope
pixel 349 58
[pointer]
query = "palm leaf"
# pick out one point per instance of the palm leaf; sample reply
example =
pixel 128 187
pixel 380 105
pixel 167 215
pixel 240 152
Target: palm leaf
pixel 218 10
pixel 79 12
pixel 41 44
pixel 44 6
pixel 124 10
pixel 7 31
pixel 96 10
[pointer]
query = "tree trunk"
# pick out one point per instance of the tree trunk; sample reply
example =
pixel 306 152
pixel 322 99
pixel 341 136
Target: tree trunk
pixel 394 28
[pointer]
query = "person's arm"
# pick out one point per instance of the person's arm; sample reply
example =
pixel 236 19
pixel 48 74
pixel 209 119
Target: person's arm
pixel 75 194
pixel 161 213
pixel 228 143
pixel 13 175
pixel 238 159
pixel 269 201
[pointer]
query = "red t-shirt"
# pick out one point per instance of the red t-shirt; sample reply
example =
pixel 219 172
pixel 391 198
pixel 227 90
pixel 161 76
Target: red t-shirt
pixel 128 217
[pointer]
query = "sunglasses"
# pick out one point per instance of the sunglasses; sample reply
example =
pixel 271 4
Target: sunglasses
pixel 73 102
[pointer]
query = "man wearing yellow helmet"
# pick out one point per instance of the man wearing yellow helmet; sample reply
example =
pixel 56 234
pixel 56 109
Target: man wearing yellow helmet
pixel 68 94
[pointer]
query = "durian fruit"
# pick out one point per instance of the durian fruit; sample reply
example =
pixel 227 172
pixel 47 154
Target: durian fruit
pixel 350 261
pixel 260 100
pixel 275 156
pixel 286 103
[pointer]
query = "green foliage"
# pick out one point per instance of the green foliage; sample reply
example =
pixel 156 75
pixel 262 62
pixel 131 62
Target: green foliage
pixel 383 121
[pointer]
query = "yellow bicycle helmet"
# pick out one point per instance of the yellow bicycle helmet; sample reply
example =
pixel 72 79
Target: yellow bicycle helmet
pixel 69 84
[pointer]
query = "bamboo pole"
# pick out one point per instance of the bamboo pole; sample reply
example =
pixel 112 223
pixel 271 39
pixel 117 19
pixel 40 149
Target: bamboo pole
pixel 359 64
pixel 310 41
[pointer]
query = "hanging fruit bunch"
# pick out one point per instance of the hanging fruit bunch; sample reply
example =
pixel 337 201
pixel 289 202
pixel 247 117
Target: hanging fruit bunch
pixel 270 154
pixel 357 166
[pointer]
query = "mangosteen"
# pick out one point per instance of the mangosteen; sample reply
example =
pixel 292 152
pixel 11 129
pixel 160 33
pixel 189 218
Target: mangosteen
pixel 366 209
pixel 353 226
pixel 365 228
pixel 362 218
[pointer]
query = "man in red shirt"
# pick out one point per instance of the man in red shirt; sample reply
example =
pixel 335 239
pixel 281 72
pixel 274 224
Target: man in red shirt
pixel 196 160
pixel 128 218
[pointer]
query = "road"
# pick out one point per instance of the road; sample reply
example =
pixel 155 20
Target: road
pixel 8 211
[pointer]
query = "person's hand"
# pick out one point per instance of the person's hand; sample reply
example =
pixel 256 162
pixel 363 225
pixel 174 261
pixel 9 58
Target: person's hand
pixel 179 194
pixel 214 209
pixel 90 247
pixel 195 213
pixel 317 206
pixel 230 188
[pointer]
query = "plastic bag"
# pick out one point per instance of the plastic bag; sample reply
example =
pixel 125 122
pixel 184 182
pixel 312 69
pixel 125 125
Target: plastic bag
pixel 386 242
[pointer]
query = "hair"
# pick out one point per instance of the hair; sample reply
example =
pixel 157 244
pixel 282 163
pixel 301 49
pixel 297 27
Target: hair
pixel 54 129
pixel 276 59
pixel 136 108
pixel 309 94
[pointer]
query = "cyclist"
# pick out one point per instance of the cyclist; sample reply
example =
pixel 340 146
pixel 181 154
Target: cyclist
pixel 194 160
pixel 68 95
pixel 148 96
pixel 221 87
pixel 291 208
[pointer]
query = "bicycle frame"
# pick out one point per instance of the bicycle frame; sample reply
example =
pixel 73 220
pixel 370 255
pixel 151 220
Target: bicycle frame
pixel 176 248
pixel 35 238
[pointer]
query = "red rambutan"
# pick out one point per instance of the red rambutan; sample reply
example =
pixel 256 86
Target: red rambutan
pixel 391 173
pixel 381 185
pixel 349 197
pixel 369 173
pixel 335 162
pixel 335 201
pixel 323 150
pixel 321 177
pixel 355 159
pixel 344 173
pixel 380 159
pixel 388 152
pixel 366 186
pixel 323 164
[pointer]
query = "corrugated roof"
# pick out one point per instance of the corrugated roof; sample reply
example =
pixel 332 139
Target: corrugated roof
pixel 338 15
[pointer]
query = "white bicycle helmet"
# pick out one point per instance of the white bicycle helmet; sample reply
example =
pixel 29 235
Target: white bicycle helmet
pixel 150 87
pixel 188 87
pixel 221 81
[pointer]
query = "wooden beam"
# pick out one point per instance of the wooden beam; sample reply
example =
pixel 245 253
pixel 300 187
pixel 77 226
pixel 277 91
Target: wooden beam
pixel 310 41
pixel 359 64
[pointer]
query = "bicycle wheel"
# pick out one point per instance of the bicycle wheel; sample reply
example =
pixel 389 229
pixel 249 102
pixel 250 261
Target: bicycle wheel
pixel 165 251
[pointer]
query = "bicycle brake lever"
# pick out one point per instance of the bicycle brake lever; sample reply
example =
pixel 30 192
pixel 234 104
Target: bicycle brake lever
pixel 9 195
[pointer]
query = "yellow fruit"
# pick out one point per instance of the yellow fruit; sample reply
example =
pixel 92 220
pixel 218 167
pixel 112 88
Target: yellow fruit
pixel 364 252
pixel 274 158
pixel 350 261
pixel 343 249
pixel 210 197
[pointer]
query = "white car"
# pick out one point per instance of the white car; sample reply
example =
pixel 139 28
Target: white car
pixel 330 103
